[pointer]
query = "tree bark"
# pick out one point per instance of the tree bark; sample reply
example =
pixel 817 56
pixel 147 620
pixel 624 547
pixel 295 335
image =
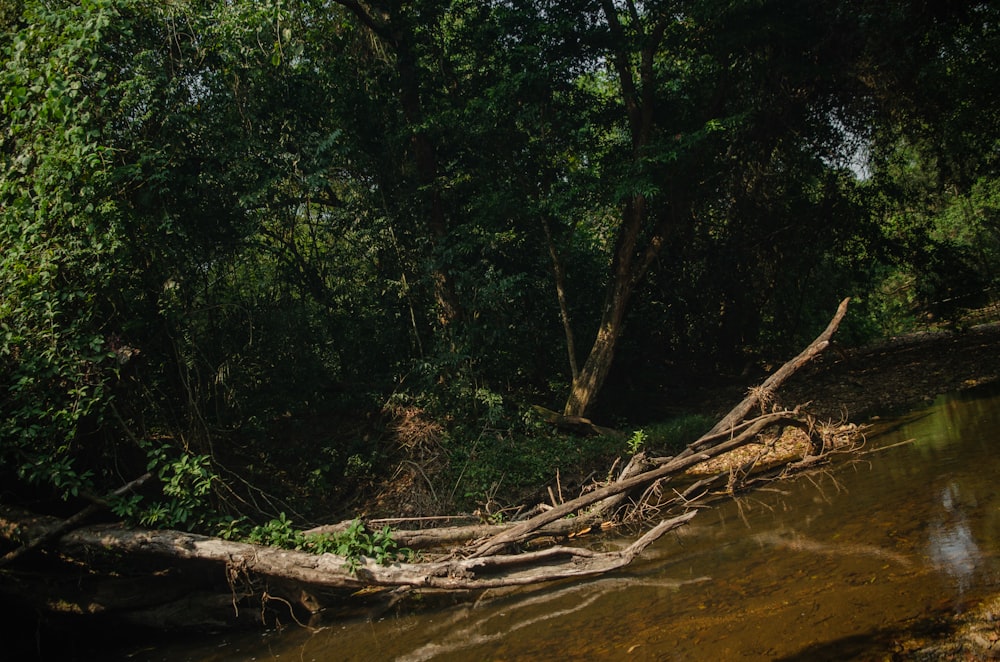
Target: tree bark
pixel 624 278
pixel 595 369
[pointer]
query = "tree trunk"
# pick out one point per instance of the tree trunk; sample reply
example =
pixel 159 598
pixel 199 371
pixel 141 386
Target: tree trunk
pixel 631 260
pixel 560 277
pixel 393 31
pixel 625 273
pixel 598 364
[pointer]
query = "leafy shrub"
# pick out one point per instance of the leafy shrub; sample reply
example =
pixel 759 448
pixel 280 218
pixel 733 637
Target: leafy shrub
pixel 353 543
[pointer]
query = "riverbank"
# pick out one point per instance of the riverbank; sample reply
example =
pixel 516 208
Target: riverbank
pixel 855 384
pixel 897 374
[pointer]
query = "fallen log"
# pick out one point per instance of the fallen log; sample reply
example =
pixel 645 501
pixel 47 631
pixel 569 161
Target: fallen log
pixel 334 571
pixel 61 527
pixel 636 472
pixel 638 465
pixel 491 559
pixel 671 466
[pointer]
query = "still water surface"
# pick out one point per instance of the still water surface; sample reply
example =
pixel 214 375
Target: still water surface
pixel 835 565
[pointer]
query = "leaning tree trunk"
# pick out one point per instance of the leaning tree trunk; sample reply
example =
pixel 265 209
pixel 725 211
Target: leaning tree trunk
pixel 595 369
pixel 626 272
pixel 632 257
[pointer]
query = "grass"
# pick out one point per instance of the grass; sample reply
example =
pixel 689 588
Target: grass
pixel 496 471
pixel 674 434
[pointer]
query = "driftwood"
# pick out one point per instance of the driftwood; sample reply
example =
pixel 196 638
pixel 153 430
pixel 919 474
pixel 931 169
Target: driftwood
pixel 693 455
pixel 771 384
pixel 493 556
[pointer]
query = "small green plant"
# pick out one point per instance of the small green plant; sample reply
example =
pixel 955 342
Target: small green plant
pixel 636 441
pixel 357 542
pixel 358 467
pixel 232 529
pixel 186 481
pixel 187 484
pixel 279 532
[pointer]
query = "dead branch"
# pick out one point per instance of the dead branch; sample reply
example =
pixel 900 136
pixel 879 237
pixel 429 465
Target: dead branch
pixel 771 384
pixel 678 464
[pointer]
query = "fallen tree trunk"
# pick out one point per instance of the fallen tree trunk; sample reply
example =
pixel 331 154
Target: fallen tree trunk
pixel 333 571
pixel 60 527
pixel 712 443
pixel 670 466
pixel 488 561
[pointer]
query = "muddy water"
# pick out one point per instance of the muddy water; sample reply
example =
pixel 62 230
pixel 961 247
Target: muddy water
pixel 837 565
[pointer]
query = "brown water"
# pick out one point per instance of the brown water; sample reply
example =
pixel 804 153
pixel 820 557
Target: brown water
pixel 836 565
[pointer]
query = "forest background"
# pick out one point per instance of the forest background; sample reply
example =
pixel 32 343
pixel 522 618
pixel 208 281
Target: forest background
pixel 284 254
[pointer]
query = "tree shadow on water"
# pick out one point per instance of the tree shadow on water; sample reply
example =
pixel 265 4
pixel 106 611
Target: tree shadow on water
pixel 893 643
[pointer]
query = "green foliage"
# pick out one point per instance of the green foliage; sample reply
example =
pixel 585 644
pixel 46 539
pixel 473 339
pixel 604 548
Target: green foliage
pixel 185 497
pixel 517 461
pixel 353 543
pixel 57 215
pixel 278 532
pixel 187 487
pixel 674 434
pixel 219 216
pixel 637 441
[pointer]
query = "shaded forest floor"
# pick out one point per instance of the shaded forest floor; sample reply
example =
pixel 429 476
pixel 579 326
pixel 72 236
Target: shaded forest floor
pixel 841 385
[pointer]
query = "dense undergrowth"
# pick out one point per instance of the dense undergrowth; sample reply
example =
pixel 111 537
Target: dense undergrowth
pixel 293 257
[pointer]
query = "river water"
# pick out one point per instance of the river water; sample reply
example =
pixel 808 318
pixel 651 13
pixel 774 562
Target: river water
pixel 835 565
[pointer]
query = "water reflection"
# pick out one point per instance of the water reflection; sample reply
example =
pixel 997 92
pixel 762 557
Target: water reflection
pixel 951 543
pixel 473 627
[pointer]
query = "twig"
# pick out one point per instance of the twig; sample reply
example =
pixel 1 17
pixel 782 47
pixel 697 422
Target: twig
pixel 885 448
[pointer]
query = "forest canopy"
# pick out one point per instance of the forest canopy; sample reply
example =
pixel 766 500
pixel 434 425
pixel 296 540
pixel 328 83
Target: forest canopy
pixel 223 220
